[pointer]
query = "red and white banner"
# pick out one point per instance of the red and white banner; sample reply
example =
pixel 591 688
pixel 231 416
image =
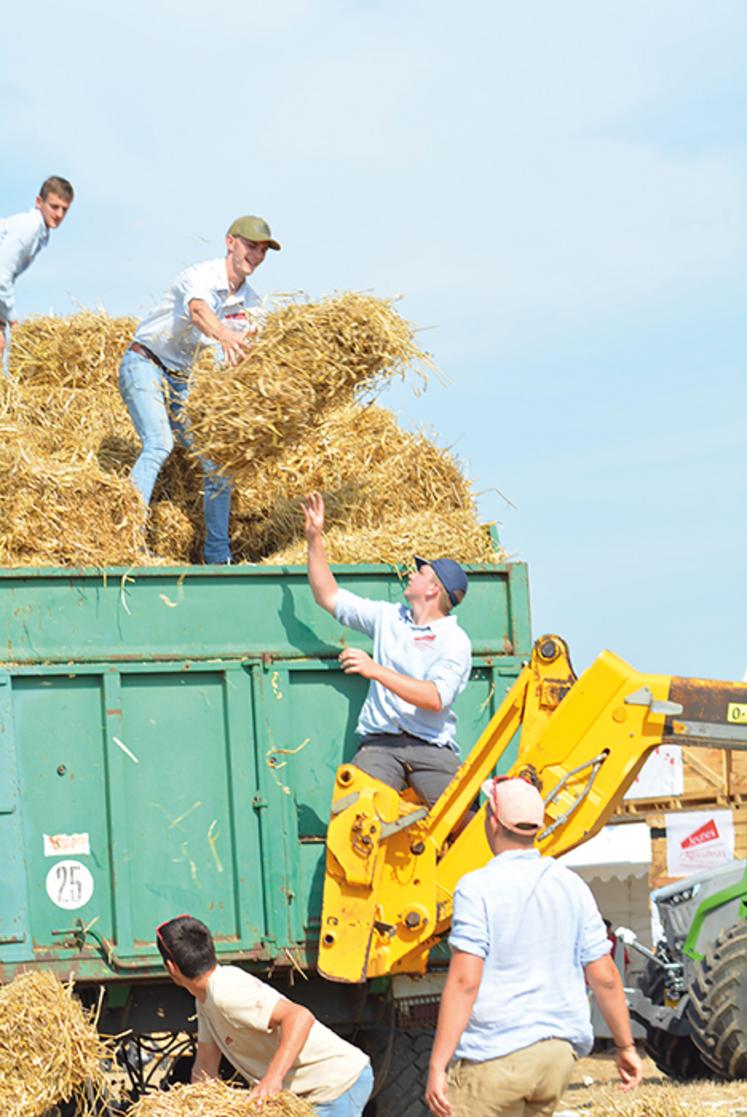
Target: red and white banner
pixel 698 840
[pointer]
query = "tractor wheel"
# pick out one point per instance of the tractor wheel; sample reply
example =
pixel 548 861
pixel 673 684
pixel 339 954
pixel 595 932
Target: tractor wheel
pixel 718 1003
pixel 676 1056
pixel 400 1080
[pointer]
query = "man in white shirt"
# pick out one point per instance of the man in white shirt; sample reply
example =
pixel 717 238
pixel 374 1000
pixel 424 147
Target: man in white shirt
pixel 207 304
pixel 421 662
pixel 273 1042
pixel 526 940
pixel 22 238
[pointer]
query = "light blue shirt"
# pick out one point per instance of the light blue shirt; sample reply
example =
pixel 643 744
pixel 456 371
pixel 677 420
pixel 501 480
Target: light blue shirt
pixel 438 652
pixel 168 331
pixel 22 238
pixel 536 925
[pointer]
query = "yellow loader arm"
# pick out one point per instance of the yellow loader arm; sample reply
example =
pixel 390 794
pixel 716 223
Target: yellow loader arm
pixel 393 866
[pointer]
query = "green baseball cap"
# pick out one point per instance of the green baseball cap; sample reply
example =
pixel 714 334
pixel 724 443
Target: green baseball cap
pixel 253 228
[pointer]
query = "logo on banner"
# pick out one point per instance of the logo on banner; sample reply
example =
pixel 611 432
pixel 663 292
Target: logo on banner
pixel 708 832
pixel 698 840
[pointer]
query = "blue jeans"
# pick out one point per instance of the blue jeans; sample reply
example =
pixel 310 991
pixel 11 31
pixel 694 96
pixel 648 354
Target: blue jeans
pixel 143 387
pixel 351 1103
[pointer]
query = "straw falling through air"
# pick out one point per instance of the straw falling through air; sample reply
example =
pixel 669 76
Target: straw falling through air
pixel 308 358
pixel 50 1050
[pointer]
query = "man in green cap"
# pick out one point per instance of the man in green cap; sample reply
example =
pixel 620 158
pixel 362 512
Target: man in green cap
pixel 209 304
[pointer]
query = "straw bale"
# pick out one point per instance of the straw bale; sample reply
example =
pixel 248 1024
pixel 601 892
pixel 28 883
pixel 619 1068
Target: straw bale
pixel 213 1098
pixel 176 526
pixel 76 420
pixel 80 350
pixel 61 512
pixel 308 358
pixel 50 1050
pixel 383 486
pixel 171 534
pixel 456 534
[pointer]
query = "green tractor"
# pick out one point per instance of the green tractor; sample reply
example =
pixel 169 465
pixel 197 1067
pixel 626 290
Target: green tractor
pixel 692 996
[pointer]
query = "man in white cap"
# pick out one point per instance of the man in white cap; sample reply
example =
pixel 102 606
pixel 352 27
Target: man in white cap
pixel 526 939
pixel 421 662
pixel 207 304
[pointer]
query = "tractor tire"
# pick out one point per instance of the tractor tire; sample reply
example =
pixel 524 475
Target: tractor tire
pixel 401 1091
pixel 717 1010
pixel 675 1056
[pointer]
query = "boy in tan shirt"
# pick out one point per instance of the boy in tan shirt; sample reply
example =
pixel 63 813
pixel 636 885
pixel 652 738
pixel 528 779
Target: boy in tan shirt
pixel 270 1040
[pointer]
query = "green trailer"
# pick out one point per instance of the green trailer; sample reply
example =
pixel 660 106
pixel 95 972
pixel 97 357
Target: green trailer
pixel 168 743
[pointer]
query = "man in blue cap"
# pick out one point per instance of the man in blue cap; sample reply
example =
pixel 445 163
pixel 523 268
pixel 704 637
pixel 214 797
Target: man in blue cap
pixel 421 661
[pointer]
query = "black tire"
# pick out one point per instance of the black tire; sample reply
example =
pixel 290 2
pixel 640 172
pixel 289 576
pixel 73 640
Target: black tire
pixel 717 1011
pixel 675 1056
pixel 399 1080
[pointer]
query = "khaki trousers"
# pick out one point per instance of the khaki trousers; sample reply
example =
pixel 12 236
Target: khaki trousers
pixel 527 1083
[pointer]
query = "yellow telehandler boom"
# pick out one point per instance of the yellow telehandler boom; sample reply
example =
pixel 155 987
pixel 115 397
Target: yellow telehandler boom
pixel 393 865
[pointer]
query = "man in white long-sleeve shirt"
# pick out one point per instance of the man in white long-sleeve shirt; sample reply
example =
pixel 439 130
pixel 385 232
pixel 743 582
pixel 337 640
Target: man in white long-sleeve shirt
pixel 22 238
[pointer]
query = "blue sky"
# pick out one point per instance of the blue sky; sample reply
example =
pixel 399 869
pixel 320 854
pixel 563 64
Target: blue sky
pixel 557 189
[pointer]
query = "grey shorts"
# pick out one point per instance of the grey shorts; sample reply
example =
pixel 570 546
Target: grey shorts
pixel 401 760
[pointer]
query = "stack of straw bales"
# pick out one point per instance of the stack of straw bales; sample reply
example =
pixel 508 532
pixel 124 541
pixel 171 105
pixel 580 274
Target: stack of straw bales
pixel 308 358
pixel 65 445
pixel 50 1050
pixel 214 1098
pixel 388 493
pixel 286 420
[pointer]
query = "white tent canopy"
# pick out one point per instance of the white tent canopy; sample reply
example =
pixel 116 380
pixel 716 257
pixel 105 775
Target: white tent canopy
pixel 615 853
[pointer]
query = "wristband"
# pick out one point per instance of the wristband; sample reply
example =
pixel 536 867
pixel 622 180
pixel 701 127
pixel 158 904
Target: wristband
pixel 624 1046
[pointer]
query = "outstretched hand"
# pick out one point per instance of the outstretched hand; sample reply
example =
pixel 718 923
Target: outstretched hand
pixel 313 514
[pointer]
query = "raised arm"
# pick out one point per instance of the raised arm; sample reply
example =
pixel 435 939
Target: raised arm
pixel 321 579
pixel 235 344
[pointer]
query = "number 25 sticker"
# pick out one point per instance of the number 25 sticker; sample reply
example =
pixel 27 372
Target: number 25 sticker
pixel 69 884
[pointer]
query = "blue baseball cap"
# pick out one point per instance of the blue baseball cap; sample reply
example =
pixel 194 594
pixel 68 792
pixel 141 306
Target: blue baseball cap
pixel 450 575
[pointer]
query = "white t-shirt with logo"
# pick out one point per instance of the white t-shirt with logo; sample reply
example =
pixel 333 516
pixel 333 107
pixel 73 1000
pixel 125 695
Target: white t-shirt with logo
pixel 169 332
pixel 437 652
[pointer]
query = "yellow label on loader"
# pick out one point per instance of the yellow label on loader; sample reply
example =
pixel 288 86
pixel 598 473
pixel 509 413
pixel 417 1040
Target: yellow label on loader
pixel 736 713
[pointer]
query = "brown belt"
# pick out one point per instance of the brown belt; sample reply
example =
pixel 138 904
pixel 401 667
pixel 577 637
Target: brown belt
pixel 143 351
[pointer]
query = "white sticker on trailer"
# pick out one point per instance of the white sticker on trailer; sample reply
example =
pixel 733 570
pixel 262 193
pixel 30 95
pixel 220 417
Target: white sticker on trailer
pixel 69 885
pixel 72 845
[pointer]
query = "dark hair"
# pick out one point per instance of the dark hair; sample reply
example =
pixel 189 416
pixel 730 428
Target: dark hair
pixel 524 836
pixel 56 185
pixel 187 942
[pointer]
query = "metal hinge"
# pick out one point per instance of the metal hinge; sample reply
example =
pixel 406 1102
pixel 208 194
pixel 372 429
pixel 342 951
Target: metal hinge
pixel 644 697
